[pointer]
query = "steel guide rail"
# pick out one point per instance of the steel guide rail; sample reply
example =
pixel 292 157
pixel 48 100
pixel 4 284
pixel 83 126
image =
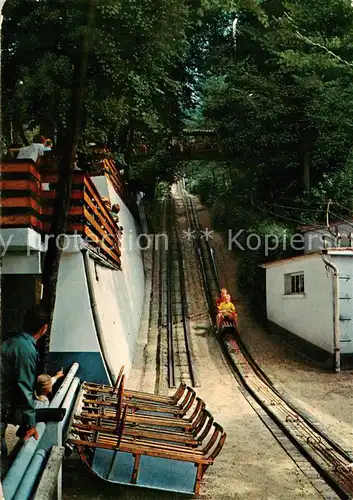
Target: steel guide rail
pixel 207 262
pixel 332 464
pixel 331 461
pixel 159 282
pixel 178 344
pixel 165 344
pixel 193 222
pixel 185 313
pixel 171 364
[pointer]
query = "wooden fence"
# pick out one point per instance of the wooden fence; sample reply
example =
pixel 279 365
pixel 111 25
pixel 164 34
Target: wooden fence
pixel 27 199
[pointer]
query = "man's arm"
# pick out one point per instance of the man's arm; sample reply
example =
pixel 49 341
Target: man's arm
pixel 27 370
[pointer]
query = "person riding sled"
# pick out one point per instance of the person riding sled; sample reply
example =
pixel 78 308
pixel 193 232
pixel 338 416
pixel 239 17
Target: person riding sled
pixel 226 311
pixel 222 297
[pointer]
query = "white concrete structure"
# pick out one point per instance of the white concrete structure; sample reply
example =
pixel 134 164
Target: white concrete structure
pixel 118 296
pixel 98 309
pixel 300 297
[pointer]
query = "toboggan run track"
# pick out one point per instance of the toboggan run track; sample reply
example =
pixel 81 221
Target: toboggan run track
pixel 332 463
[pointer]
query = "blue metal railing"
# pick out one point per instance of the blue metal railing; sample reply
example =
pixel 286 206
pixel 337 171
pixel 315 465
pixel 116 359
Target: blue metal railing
pixel 28 464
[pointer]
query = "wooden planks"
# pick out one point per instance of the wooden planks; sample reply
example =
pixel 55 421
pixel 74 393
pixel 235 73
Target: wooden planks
pixel 102 422
pixel 25 203
pixel 100 226
pixel 20 195
pixel 110 255
pixel 118 183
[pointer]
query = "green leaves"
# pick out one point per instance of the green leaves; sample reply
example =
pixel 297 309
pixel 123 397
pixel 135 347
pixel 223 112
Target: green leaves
pixel 135 47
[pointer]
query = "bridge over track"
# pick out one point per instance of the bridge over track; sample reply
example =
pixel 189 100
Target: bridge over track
pixel 190 145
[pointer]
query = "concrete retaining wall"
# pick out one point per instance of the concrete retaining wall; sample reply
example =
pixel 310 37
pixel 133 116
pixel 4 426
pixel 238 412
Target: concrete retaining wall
pixel 119 297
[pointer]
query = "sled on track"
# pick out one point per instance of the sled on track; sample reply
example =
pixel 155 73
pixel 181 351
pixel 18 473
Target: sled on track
pixel 145 440
pixel 228 326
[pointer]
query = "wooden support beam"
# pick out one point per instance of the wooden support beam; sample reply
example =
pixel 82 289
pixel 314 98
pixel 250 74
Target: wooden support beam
pixel 136 469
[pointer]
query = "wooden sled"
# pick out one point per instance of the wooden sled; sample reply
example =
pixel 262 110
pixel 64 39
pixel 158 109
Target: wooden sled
pixel 178 406
pixel 228 325
pixel 99 412
pixel 159 451
pixel 136 395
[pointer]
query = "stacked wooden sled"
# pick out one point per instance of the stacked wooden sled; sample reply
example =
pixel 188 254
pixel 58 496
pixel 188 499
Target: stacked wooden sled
pixel 143 439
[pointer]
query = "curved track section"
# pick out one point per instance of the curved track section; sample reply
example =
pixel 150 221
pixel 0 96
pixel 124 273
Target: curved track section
pixel 322 460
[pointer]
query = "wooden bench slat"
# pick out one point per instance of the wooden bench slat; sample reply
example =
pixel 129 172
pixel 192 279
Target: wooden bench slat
pixel 94 223
pixel 153 434
pixel 91 192
pixel 144 451
pixel 100 243
pixel 21 202
pixel 20 185
pixel 30 168
pixel 20 221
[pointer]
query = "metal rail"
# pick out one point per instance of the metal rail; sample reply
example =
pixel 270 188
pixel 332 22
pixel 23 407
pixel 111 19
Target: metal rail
pixel 327 457
pixel 192 220
pixel 330 460
pixel 185 314
pixel 206 258
pixel 175 293
pixel 215 269
pixel 171 367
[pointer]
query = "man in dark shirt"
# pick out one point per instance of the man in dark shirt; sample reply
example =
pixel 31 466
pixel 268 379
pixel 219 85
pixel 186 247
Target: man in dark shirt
pixel 19 370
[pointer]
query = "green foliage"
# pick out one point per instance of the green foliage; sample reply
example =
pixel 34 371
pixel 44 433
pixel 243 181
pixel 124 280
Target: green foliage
pixel 162 191
pixel 279 93
pixel 281 98
pixel 135 47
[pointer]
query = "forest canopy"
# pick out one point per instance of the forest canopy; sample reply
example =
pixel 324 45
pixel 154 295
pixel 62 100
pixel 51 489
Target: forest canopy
pixel 272 77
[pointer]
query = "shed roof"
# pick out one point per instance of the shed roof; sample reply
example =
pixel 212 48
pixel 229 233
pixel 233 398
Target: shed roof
pixel 288 259
pixel 348 251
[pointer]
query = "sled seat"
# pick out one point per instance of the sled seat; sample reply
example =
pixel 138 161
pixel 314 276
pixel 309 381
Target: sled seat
pixel 136 395
pixel 117 456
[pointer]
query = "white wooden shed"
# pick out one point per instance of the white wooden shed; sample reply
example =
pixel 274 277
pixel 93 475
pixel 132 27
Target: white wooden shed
pixel 310 304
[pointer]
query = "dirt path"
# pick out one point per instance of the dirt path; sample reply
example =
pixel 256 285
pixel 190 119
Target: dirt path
pixel 252 465
pixel 327 396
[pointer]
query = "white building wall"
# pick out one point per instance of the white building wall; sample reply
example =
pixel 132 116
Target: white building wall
pixel 118 317
pixel 21 263
pixel 125 289
pixel 308 315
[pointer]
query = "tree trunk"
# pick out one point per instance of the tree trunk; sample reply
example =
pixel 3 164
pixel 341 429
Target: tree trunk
pixel 128 154
pixel 46 128
pixel 122 138
pixel 306 171
pixel 63 197
pixel 19 129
